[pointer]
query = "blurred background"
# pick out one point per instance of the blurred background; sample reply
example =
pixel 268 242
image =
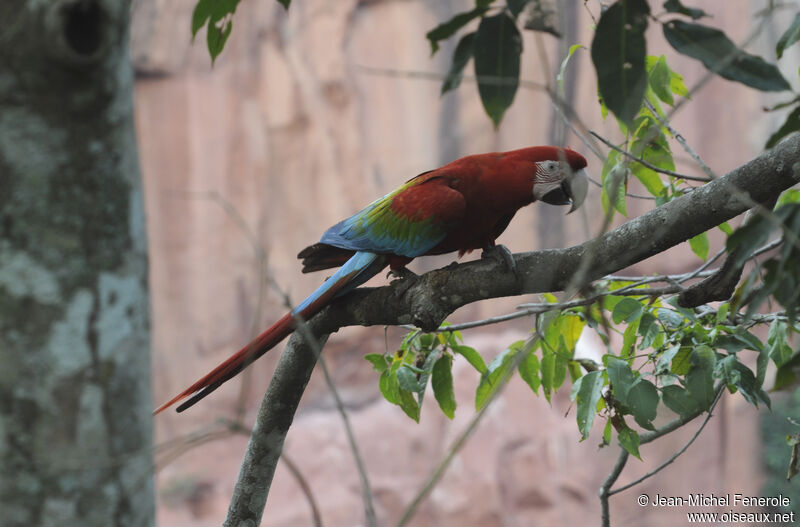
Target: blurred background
pixel 307 116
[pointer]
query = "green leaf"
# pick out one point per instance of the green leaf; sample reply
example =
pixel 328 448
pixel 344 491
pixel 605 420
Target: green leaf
pixel 712 47
pixel 699 245
pixel 794 460
pixel 569 326
pixel 749 386
pixel 791 195
pixel 656 69
pixel 618 54
pixel 516 6
pixel 491 381
pixel 621 378
pixel 378 361
pixel 762 361
pixel 682 362
pixel 677 399
pixel 614 178
pixel 529 371
pixel 472 356
pixel 777 347
pixel 498 46
pixel 669 317
pixel 642 399
pixel 792 124
pixel 784 377
pixel 407 380
pixel 659 78
pixel 560 77
pixel 791 36
pixel 285 3
pixel 627 310
pixel 461 56
pixel 555 357
pixel 750 236
pixel 629 339
pixel 548 368
pixel 589 391
pixel 607 433
pixel 200 15
pixel 629 440
pixel 699 380
pixel 216 36
pixel 409 405
pixel 388 383
pixel 675 6
pixel 449 28
pixel 649 330
pixel 662 366
pixel 726 228
pixel 649 178
pixel 442 382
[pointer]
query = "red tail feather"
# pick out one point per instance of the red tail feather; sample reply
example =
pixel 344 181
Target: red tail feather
pixel 356 271
pixel 234 364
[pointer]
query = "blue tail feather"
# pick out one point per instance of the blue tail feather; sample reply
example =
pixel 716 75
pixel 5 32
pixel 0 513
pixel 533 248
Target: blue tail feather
pixel 358 269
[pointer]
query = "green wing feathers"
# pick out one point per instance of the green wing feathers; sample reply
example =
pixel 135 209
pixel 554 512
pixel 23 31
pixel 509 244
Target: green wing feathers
pixel 407 222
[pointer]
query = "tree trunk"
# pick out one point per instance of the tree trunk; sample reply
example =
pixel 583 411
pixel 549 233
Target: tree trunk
pixel 75 427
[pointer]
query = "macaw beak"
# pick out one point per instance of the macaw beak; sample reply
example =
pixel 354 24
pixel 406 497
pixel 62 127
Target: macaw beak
pixel 576 187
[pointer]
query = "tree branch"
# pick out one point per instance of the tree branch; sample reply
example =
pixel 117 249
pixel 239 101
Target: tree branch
pixel 435 295
pixel 272 423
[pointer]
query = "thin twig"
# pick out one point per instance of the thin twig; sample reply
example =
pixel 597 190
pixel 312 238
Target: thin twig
pixel 440 469
pixel 603 493
pixel 304 487
pixel 680 139
pixel 366 491
pixel 644 163
pixel 493 80
pixel 677 454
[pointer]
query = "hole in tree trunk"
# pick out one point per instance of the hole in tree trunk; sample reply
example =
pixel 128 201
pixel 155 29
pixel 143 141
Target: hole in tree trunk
pixel 83 27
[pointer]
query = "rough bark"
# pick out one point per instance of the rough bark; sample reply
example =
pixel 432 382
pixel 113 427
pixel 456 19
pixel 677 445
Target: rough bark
pixel 438 293
pixel 75 426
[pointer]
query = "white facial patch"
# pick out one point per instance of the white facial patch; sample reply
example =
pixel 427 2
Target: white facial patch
pixel 549 171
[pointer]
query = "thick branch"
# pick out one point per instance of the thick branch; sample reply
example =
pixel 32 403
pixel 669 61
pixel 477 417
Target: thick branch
pixel 272 423
pixel 438 293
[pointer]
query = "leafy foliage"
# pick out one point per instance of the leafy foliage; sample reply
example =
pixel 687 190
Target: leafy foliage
pixel 791 36
pixel 422 358
pixel 449 28
pixel 671 356
pixel 463 52
pixel 675 6
pixel 217 17
pixel 647 142
pixel 780 432
pixel 497 50
pixel 618 54
pixel 792 124
pixel 781 273
pixel 716 51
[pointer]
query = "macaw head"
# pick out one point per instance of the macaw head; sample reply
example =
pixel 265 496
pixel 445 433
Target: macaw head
pixel 561 178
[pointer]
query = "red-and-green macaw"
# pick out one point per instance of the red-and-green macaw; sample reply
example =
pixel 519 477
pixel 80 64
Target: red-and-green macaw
pixel 462 206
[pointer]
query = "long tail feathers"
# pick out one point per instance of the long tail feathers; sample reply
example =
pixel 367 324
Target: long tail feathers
pixel 357 270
